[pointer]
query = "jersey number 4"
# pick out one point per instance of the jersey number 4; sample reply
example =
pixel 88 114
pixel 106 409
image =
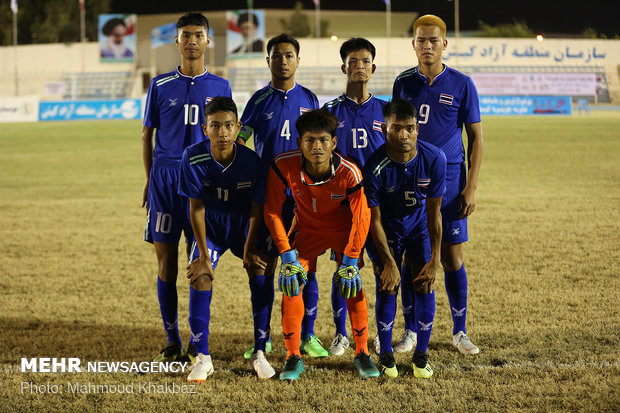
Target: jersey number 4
pixel 286 130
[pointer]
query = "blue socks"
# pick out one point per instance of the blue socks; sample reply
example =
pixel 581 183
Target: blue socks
pixel 456 287
pixel 424 315
pixel 199 316
pixel 310 296
pixel 261 289
pixel 385 312
pixel 408 299
pixel 339 310
pixel 168 301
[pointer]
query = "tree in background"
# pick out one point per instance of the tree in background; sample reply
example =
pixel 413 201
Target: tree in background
pixel 51 21
pixel 298 24
pixel 514 29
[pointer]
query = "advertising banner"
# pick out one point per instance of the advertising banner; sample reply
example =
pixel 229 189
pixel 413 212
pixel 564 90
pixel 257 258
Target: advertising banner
pixel 90 110
pixel 553 84
pixel 19 109
pixel 525 105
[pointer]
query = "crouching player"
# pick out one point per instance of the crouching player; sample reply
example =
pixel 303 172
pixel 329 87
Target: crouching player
pixel 404 182
pixel 221 180
pixel 331 212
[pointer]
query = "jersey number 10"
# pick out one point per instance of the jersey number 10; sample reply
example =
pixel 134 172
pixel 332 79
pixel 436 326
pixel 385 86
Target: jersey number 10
pixel 191 114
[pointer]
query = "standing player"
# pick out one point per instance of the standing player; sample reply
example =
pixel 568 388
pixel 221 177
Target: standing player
pixel 359 135
pixel 446 100
pixel 221 180
pixel 270 117
pixel 331 213
pixel 404 181
pixel 174 107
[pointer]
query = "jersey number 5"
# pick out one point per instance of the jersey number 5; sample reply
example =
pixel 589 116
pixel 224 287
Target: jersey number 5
pixel 410 199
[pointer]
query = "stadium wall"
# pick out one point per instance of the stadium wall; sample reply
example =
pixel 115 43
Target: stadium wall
pixel 41 65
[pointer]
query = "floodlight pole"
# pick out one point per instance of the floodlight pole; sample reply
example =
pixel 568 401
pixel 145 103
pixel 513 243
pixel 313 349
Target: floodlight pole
pixel 457 30
pixel 15 53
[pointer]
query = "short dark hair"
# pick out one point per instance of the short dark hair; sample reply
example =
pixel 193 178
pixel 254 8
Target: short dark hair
pixel 220 104
pixel 283 38
pixel 403 109
pixel 320 120
pixel 245 17
pixel 193 19
pixel 111 24
pixel 355 44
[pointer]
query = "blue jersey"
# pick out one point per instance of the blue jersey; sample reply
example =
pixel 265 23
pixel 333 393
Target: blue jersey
pixel 400 189
pixel 443 107
pixel 359 128
pixel 270 115
pixel 175 107
pixel 228 189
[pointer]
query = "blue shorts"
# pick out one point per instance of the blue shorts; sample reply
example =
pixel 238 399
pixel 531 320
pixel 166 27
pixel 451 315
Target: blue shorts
pixel 225 230
pixel 416 245
pixel 454 229
pixel 228 231
pixel 168 212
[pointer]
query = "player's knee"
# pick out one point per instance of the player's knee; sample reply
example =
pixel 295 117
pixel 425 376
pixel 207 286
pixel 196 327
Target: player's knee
pixel 452 257
pixel 202 283
pixel 168 273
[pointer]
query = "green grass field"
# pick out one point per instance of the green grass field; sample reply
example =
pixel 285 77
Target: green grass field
pixel 76 280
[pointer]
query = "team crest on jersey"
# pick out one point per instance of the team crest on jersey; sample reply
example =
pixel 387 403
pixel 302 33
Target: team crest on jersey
pixel 424 181
pixel 445 98
pixel 376 125
pixel 336 197
pixel 303 110
pixel 244 185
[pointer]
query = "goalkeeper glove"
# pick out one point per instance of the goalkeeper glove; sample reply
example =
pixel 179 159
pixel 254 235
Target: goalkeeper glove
pixel 347 278
pixel 291 274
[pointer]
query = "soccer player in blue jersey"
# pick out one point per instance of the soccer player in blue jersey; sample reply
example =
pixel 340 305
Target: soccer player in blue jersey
pixel 359 135
pixel 174 108
pixel 446 100
pixel 404 182
pixel 269 118
pixel 222 181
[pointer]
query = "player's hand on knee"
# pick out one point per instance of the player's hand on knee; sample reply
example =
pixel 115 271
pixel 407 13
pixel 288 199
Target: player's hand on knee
pixel 423 283
pixel 253 261
pixel 199 267
pixel 292 274
pixel 347 278
pixel 390 277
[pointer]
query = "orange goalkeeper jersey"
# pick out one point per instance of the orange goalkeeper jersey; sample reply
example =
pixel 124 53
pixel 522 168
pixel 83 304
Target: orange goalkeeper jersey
pixel 335 207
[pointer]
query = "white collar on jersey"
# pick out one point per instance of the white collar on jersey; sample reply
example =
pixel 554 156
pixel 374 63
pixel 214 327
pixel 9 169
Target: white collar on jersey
pixel 334 163
pixel 178 69
pixel 280 90
pixel 438 74
pixel 355 101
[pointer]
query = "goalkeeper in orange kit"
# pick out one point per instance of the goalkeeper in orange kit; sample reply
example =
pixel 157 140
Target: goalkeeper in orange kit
pixel 332 212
